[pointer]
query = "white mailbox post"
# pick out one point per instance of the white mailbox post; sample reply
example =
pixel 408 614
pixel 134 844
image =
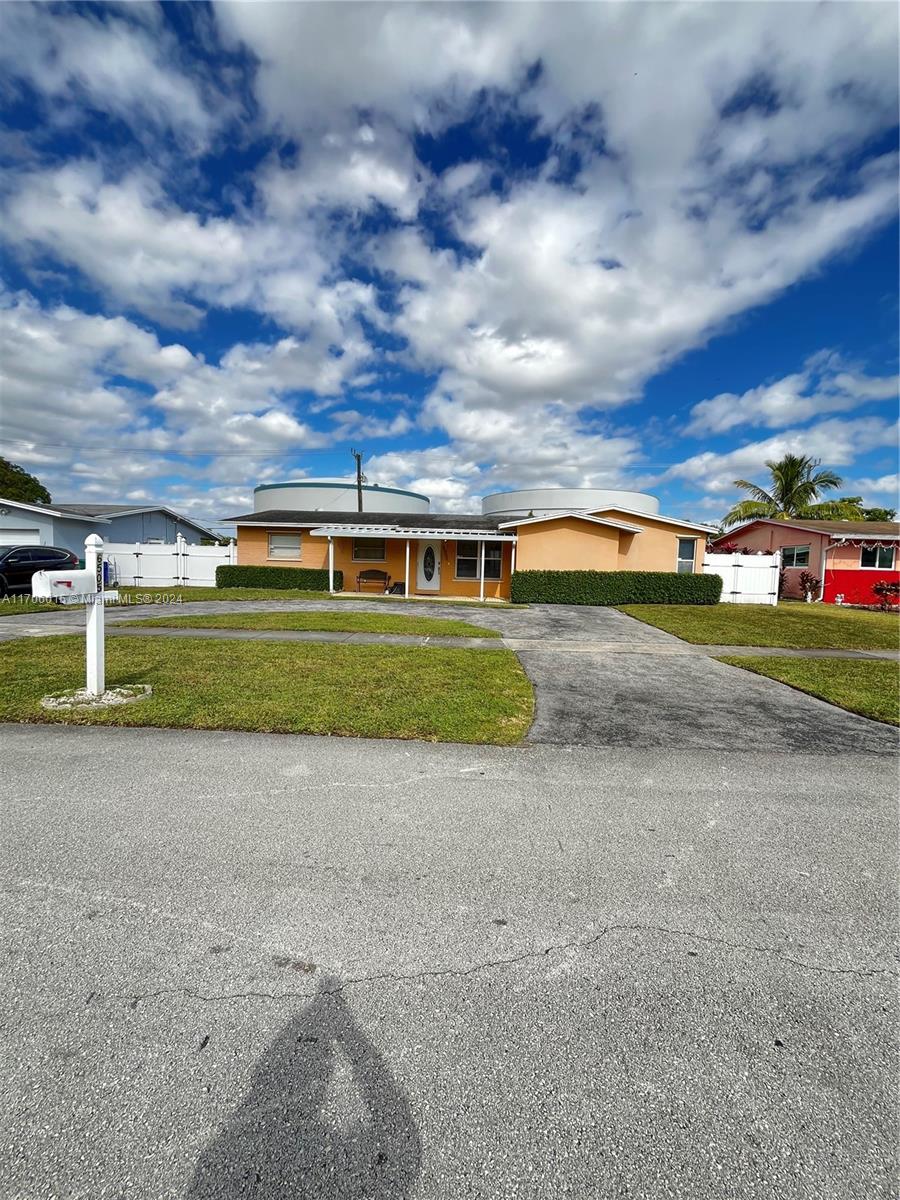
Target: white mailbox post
pixel 96 614
pixel 83 587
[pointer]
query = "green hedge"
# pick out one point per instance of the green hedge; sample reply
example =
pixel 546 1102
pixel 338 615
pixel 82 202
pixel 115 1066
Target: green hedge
pixel 614 587
pixel 307 579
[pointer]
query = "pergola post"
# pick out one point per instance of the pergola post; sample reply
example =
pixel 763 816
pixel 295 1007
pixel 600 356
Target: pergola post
pixel 331 564
pixel 406 577
pixel 481 571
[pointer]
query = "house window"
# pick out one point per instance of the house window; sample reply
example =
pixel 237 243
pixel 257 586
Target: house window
pixel 686 549
pixel 468 556
pixel 284 545
pixel 795 556
pixel 368 550
pixel 881 558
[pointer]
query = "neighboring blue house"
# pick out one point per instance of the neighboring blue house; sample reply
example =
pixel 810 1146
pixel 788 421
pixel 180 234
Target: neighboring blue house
pixel 67 525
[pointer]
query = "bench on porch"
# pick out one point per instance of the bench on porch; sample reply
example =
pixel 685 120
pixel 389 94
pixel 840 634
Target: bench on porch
pixel 372 578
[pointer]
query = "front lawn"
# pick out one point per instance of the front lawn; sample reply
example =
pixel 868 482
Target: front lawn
pixel 329 622
pixel 362 691
pixel 863 686
pixel 19 604
pixel 795 626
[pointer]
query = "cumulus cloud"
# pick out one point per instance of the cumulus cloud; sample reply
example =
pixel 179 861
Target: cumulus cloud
pixel 836 441
pixel 524 301
pixel 126 65
pixel 824 385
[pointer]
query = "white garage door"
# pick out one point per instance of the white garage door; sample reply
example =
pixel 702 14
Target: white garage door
pixel 20 537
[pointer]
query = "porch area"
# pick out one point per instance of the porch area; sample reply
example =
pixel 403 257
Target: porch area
pixel 464 564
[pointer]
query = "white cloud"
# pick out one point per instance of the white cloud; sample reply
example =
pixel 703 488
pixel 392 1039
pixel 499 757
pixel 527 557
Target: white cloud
pixel 490 449
pixel 115 65
pixel 822 386
pixel 836 441
pixel 665 210
pixel 884 486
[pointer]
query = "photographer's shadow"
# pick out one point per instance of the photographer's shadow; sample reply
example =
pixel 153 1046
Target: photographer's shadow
pixel 283 1143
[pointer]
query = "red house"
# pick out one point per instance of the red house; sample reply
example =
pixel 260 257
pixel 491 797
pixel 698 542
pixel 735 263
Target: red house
pixel 848 556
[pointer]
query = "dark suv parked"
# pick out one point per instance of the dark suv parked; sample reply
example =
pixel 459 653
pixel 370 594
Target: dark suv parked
pixel 19 563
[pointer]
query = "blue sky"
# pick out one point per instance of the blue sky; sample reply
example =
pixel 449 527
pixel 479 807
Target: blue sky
pixel 506 245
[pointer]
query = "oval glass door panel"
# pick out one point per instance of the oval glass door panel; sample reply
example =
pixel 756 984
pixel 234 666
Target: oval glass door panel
pixel 428 563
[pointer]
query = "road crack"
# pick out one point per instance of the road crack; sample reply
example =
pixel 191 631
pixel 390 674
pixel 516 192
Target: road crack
pixel 576 945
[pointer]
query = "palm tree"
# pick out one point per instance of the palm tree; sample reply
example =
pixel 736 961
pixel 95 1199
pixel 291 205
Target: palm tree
pixel 794 488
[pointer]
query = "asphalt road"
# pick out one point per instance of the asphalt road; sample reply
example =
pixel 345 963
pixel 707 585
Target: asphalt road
pixel 273 967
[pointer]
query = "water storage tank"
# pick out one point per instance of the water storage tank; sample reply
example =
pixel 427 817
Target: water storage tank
pixel 336 495
pixel 541 501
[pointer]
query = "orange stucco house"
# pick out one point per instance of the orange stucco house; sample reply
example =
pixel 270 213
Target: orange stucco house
pixel 425 554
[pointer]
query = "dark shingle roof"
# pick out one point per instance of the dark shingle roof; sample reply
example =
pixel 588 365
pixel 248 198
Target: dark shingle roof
pixel 435 521
pixel 99 510
pixel 112 510
pixel 852 528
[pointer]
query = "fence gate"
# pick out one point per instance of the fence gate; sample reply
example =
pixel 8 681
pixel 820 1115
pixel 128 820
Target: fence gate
pixel 167 564
pixel 746 578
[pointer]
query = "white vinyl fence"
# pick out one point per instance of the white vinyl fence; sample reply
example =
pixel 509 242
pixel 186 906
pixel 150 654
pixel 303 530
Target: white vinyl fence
pixel 746 578
pixel 166 564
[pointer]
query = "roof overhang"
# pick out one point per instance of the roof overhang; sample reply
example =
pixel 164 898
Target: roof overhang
pixel 397 533
pixel 833 535
pixel 46 511
pixel 573 515
pixel 707 529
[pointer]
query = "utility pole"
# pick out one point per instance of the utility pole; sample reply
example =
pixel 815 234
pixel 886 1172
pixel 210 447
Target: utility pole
pixel 357 454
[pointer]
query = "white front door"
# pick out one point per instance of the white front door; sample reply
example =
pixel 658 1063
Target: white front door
pixel 428 567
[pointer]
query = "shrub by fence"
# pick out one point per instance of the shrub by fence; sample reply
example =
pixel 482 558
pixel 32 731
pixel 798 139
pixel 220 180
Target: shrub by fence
pixel 614 587
pixel 308 579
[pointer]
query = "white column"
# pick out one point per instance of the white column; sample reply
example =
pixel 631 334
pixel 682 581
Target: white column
pixel 95 648
pixel 512 560
pixel 331 564
pixel 406 583
pixel 481 572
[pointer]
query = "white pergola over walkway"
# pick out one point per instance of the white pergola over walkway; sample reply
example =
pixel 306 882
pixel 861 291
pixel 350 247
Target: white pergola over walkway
pixel 395 533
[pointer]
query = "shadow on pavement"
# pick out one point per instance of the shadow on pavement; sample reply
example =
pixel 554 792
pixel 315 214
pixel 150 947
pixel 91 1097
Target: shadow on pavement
pixel 323 1117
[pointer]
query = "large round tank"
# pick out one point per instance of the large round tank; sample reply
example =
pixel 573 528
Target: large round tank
pixel 336 495
pixel 542 501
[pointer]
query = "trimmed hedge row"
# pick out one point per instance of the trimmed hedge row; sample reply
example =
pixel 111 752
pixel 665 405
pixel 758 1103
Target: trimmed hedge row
pixel 614 587
pixel 307 579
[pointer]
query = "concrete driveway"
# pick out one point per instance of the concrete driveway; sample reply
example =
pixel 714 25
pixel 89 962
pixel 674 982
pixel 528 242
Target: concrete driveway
pixel 281 967
pixel 601 679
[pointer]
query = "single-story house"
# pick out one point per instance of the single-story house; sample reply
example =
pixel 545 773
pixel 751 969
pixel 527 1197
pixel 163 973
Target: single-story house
pixel 847 556
pixel 468 556
pixel 67 525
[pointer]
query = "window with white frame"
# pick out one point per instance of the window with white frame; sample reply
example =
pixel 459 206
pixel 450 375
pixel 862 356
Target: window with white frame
pixel 795 556
pixel 368 549
pixel 468 556
pixel 284 545
pixel 880 558
pixel 686 551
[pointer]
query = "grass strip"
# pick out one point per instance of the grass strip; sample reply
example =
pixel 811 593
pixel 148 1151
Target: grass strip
pixel 865 686
pixel 791 626
pixel 358 691
pixel 328 622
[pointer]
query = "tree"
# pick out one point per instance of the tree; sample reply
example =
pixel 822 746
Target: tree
pixel 17 484
pixel 879 514
pixel 794 488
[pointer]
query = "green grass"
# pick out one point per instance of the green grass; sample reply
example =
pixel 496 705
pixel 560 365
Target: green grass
pixel 793 626
pixel 329 622
pixel 20 604
pixel 863 686
pixel 362 691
